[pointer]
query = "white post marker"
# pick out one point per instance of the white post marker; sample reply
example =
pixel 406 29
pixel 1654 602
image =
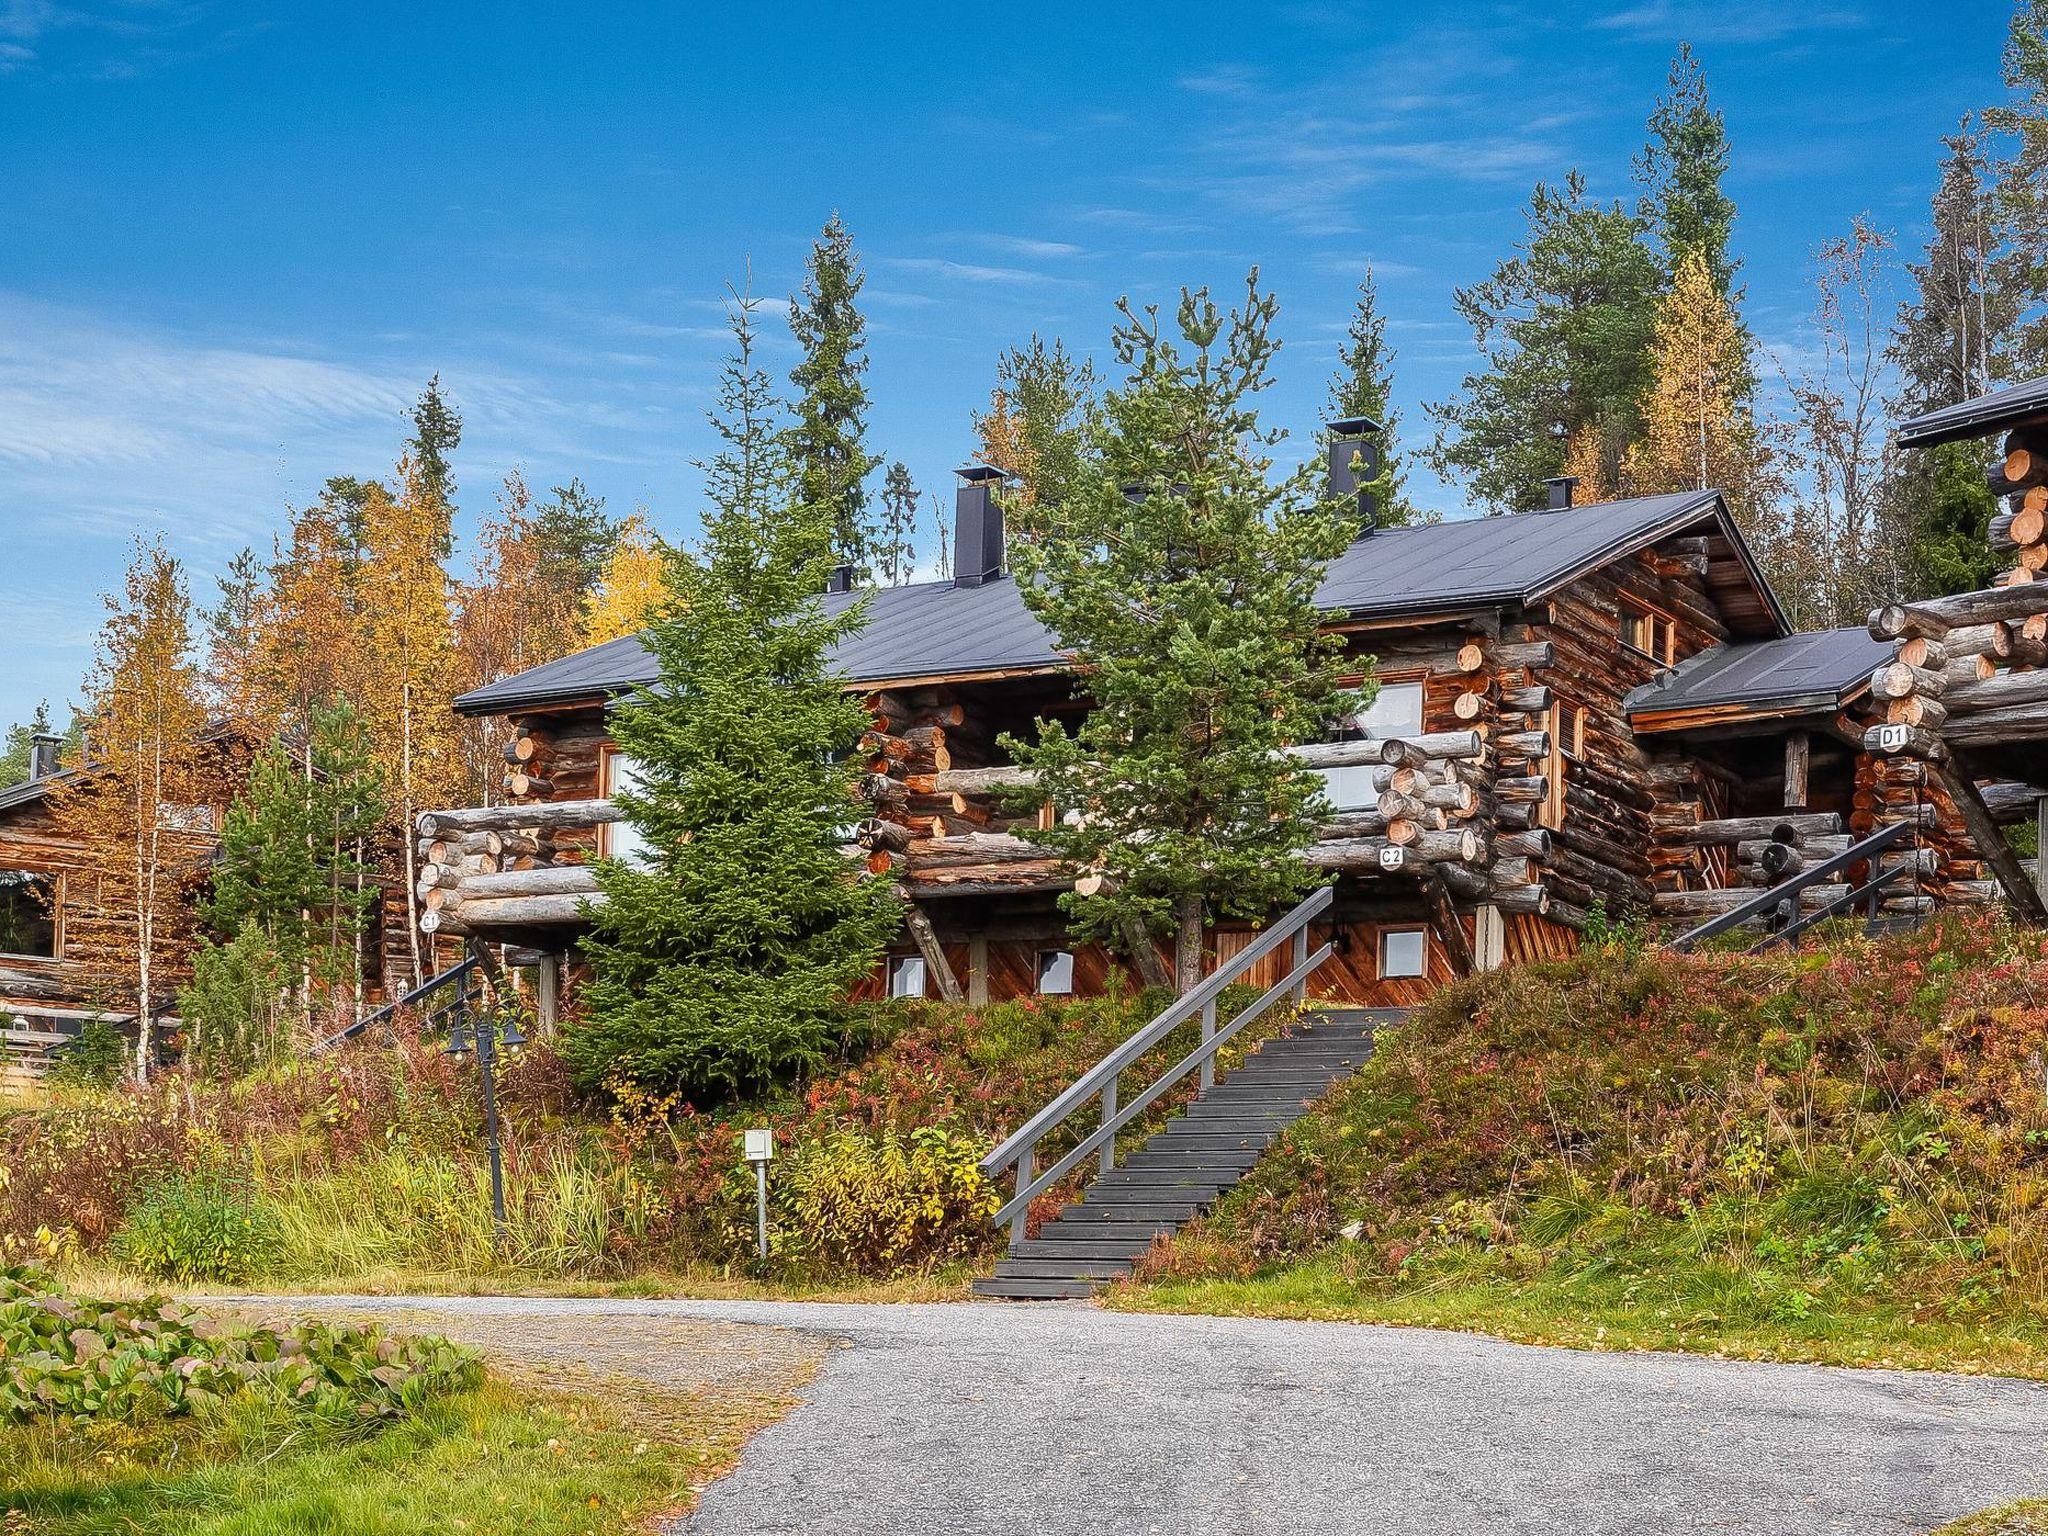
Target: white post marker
pixel 760 1151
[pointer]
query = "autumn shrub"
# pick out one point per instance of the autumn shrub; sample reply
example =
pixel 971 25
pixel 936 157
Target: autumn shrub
pixel 205 1225
pixel 1862 1115
pixel 868 1204
pixel 95 1057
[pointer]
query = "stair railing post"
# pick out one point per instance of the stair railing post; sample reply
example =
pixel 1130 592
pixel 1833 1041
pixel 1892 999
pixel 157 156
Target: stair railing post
pixel 1208 1034
pixel 1024 1178
pixel 1107 1161
pixel 1300 993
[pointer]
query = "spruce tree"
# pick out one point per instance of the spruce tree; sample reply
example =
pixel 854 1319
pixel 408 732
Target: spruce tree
pixel 436 433
pixel 578 536
pixel 722 961
pixel 1364 386
pixel 2020 193
pixel 1565 328
pixel 1181 574
pixel 895 552
pixel 829 436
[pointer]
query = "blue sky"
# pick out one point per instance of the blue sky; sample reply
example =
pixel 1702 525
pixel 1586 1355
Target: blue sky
pixel 235 240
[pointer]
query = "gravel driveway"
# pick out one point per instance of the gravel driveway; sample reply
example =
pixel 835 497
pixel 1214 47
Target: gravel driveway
pixel 1057 1418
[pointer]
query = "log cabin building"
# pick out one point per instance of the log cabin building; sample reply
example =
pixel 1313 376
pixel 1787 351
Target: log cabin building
pixel 1591 706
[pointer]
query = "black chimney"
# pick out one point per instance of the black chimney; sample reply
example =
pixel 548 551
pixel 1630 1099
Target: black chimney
pixel 1354 458
pixel 1564 490
pixel 977 526
pixel 43 753
pixel 839 579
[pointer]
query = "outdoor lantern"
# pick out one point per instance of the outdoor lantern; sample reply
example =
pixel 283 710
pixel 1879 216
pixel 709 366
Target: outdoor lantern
pixel 458 1039
pixel 514 1037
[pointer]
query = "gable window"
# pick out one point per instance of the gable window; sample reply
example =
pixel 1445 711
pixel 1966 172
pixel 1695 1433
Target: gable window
pixel 1396 710
pixel 907 976
pixel 1403 952
pixel 28 914
pixel 1650 632
pixel 1055 972
pixel 621 839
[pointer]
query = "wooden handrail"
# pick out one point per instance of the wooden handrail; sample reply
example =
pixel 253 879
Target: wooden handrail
pixel 1768 901
pixel 456 975
pixel 1100 1081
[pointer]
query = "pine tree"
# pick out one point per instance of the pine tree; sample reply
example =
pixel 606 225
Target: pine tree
pixel 1565 328
pixel 722 964
pixel 436 434
pixel 829 435
pixel 1698 433
pixel 1181 575
pixel 1364 386
pixel 632 586
pixel 575 532
pixel 17 751
pixel 1037 413
pixel 1681 170
pixel 134 816
pixel 2019 196
pixel 896 534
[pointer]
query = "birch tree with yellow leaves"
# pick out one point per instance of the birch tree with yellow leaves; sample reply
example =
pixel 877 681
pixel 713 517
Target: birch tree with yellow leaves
pixel 141 812
pixel 633 586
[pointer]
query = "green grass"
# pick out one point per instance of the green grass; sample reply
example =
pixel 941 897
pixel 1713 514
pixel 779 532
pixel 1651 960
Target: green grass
pixel 491 1460
pixel 2029 1517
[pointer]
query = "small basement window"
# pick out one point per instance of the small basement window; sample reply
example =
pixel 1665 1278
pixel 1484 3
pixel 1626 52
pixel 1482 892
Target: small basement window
pixel 1349 789
pixel 907 976
pixel 1056 972
pixel 1403 952
pixel 1646 630
pixel 28 914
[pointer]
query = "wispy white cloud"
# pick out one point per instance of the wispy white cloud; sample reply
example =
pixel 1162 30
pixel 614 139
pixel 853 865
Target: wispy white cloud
pixel 1028 246
pixel 110 40
pixel 972 272
pixel 1725 21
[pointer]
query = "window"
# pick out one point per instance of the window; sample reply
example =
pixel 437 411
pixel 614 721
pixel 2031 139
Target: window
pixel 621 839
pixel 1055 972
pixel 1396 710
pixel 1403 952
pixel 1646 630
pixel 28 914
pixel 1567 726
pixel 907 976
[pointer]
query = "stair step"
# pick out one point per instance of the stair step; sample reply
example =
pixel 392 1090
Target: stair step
pixel 1110 1230
pixel 1062 1269
pixel 1050 1244
pixel 1228 1159
pixel 1012 1288
pixel 1141 1217
pixel 1225 1118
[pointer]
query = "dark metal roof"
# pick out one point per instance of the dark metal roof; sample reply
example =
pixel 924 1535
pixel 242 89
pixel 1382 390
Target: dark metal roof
pixel 1795 672
pixel 28 791
pixel 1999 411
pixel 935 628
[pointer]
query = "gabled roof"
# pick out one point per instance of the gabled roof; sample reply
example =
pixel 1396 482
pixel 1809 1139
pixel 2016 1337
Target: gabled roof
pixel 2000 411
pixel 29 791
pixel 936 629
pixel 1796 674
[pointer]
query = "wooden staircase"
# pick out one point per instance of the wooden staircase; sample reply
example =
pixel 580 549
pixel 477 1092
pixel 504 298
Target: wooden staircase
pixel 1185 1168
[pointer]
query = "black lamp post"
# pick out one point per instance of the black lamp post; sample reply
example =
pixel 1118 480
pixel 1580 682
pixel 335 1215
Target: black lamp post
pixel 490 1035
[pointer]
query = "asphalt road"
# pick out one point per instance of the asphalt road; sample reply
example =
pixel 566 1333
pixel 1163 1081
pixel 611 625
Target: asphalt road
pixel 1058 1418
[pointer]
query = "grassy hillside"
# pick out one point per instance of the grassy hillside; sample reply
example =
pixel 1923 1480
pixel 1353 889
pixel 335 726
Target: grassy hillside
pixel 1835 1154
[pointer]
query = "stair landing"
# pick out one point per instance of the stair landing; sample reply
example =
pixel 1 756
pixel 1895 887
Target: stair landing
pixel 1189 1164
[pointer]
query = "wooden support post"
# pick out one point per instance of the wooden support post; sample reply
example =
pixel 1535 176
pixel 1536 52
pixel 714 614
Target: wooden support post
pixel 1106 1159
pixel 1208 1034
pixel 1490 938
pixel 1450 927
pixel 547 993
pixel 928 945
pixel 2041 849
pixel 977 970
pixel 1798 757
pixel 1990 840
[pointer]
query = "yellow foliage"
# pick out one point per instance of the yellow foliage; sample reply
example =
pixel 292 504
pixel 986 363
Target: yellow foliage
pixel 1697 429
pixel 635 585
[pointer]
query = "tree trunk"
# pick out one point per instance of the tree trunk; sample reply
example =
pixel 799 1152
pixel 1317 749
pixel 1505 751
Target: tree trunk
pixel 1187 949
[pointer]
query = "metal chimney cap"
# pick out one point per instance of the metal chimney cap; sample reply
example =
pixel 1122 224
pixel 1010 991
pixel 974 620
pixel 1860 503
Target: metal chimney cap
pixel 981 474
pixel 1563 492
pixel 1355 426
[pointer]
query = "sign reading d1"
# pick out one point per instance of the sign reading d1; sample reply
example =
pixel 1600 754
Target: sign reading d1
pixel 760 1146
